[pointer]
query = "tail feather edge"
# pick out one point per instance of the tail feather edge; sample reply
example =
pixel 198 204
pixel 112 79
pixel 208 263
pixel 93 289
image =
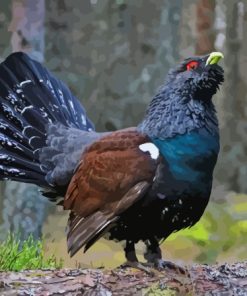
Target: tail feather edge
pixel 31 98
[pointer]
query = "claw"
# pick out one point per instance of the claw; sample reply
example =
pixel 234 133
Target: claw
pixel 139 266
pixel 161 264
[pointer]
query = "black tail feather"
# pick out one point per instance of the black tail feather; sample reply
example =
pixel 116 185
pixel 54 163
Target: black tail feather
pixel 12 132
pixel 72 113
pixel 31 98
pixel 21 175
pixel 10 159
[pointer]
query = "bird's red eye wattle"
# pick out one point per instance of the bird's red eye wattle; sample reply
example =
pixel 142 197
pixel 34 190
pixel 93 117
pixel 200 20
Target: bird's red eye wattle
pixel 192 65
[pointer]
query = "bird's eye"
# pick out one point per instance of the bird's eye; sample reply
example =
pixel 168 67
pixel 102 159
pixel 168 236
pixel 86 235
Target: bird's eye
pixel 192 65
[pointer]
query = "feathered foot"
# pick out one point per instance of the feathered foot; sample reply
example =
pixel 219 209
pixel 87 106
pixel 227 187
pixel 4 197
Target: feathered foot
pixel 154 258
pixel 139 266
pixel 132 260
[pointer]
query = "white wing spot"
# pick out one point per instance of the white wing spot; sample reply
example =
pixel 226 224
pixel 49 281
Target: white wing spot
pixel 24 82
pixel 151 148
pixel 25 128
pixel 32 138
pixel 26 108
pixel 83 119
pixel 161 196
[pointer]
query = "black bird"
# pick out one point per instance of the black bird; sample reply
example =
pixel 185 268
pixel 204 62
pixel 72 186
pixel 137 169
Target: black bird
pixel 140 183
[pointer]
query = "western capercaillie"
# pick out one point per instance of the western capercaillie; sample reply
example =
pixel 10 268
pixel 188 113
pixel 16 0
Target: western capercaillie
pixel 139 183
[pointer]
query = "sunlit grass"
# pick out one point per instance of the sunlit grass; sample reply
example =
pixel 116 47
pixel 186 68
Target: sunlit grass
pixel 29 254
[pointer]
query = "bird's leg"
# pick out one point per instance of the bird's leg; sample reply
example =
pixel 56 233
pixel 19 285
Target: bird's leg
pixel 132 260
pixel 130 252
pixel 153 256
pixel 153 251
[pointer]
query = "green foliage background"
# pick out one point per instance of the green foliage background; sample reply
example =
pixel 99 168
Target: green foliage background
pixel 219 236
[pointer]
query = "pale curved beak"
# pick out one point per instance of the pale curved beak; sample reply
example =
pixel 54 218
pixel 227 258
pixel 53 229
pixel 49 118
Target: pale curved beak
pixel 214 58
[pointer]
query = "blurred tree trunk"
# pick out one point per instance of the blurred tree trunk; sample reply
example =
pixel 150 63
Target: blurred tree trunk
pixel 27 27
pixel 197 28
pixel 233 163
pixel 5 14
pixel 205 15
pixel 24 209
pixel 4 50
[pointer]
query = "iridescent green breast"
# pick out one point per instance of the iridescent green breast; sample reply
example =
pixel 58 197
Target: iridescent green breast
pixel 191 157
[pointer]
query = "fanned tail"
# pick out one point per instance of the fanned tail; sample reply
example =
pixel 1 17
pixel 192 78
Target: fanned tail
pixel 31 98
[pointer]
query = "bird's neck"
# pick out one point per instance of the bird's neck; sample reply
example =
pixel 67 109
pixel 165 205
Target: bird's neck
pixel 169 115
pixel 186 132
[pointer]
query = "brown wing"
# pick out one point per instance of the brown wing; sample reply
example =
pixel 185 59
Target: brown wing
pixel 86 231
pixel 101 187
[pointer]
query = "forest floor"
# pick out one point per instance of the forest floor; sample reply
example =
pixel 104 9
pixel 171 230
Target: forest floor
pixel 227 279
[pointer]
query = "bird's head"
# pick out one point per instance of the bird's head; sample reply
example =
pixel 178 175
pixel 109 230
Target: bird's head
pixel 197 77
pixel 184 102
